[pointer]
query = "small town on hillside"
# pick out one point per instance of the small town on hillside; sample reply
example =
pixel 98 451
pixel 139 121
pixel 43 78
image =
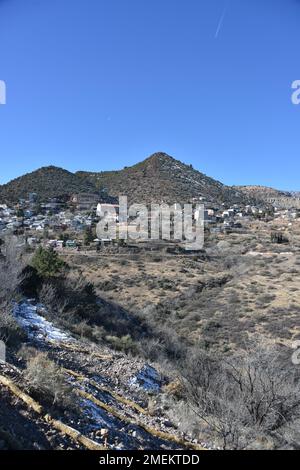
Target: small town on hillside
pixel 149 231
pixel 71 224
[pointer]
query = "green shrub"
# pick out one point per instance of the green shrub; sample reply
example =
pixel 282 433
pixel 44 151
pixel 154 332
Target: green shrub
pixel 278 237
pixel 47 263
pixel 123 343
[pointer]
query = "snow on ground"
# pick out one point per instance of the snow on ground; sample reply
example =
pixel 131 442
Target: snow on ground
pixel 98 417
pixel 93 418
pixel 37 327
pixel 120 434
pixel 147 378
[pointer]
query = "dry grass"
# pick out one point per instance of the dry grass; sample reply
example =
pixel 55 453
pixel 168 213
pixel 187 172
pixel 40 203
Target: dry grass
pixel 180 292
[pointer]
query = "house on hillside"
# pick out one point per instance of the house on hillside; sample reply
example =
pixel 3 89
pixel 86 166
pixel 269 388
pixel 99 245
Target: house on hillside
pixel 32 198
pixel 85 201
pixel 71 244
pixel 109 210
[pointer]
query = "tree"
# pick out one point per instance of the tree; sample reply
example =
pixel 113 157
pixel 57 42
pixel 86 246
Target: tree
pixel 90 290
pixel 64 237
pixel 38 208
pixel 278 237
pixel 244 397
pixel 20 213
pixel 47 263
pixel 11 267
pixel 88 236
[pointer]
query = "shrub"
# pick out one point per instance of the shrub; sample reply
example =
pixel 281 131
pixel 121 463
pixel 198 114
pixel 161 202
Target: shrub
pixel 123 343
pixel 47 263
pixel 11 265
pixel 243 397
pixel 31 282
pixel 10 331
pixel 88 236
pixel 84 330
pixel 278 237
pixel 47 381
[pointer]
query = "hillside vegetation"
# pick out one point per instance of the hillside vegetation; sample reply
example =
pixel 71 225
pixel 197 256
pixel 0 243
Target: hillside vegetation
pixel 162 178
pixel 47 182
pixel 263 193
pixel 159 178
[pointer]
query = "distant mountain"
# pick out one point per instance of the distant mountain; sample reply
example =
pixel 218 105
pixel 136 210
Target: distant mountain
pixel 159 178
pixel 263 192
pixel 47 182
pixel 274 197
pixel 162 178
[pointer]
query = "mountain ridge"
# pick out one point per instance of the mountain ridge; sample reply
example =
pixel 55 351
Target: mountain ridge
pixel 261 189
pixel 162 178
pixel 158 178
pixel 47 182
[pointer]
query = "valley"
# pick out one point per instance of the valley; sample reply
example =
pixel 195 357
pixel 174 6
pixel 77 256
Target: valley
pixel 142 344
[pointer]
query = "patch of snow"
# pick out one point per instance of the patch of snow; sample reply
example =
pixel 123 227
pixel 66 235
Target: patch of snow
pixel 98 417
pixel 37 326
pixel 147 378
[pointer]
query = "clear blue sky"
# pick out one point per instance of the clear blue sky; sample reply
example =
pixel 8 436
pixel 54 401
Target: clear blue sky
pixel 100 84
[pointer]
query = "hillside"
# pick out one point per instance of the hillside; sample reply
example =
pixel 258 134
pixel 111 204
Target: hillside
pixel 108 413
pixel 263 193
pixel 47 182
pixel 275 197
pixel 162 178
pixel 159 178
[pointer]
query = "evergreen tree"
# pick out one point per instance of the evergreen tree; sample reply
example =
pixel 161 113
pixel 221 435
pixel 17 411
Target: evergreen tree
pixel 88 236
pixel 47 263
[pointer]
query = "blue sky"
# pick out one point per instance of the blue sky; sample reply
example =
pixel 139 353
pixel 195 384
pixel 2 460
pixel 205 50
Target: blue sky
pixel 100 84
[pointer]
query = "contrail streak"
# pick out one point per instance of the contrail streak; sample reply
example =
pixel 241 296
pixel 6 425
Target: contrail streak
pixel 220 24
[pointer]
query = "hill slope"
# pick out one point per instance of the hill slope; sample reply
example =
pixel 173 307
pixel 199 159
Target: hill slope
pixel 273 197
pixel 263 193
pixel 162 178
pixel 47 182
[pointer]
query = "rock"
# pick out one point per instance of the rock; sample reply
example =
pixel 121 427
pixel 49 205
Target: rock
pixel 103 432
pixel 168 423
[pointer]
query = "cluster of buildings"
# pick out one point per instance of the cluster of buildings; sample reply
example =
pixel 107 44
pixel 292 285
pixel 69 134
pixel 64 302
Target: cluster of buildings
pixel 12 219
pixel 287 214
pixel 221 219
pixel 38 221
pixel 61 223
pixel 55 223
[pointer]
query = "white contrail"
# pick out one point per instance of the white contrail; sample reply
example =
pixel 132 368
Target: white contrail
pixel 220 24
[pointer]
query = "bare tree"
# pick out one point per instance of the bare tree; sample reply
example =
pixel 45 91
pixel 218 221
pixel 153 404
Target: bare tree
pixel 244 397
pixel 11 267
pixel 268 388
pixel 12 263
